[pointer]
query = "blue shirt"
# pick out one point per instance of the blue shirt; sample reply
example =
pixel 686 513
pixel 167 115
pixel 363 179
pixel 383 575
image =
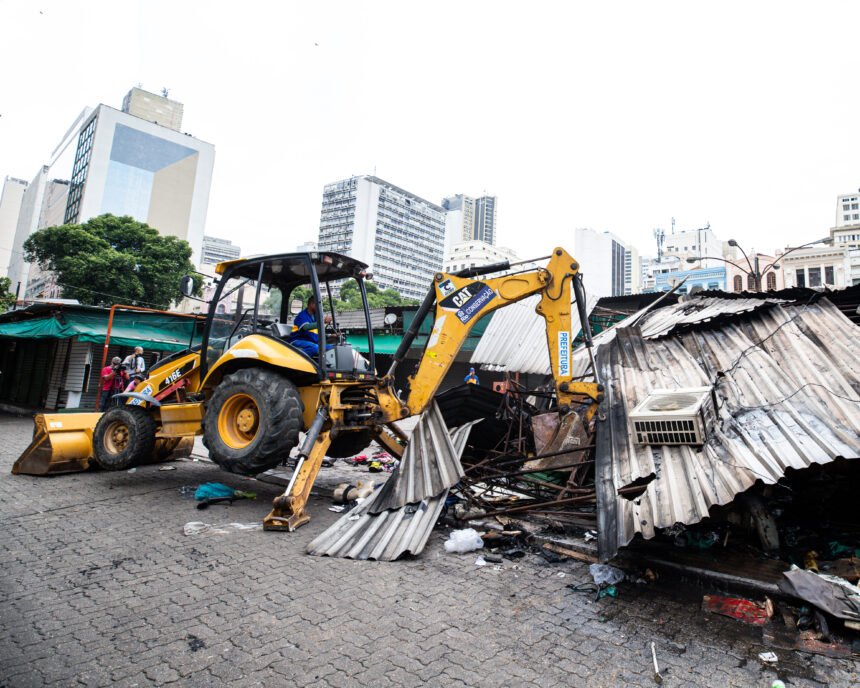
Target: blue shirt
pixel 310 335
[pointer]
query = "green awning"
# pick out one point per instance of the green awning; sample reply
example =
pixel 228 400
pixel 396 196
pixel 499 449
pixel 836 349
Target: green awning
pixel 149 330
pixel 382 343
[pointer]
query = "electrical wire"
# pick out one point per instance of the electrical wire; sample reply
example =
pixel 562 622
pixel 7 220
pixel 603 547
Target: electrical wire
pixel 798 391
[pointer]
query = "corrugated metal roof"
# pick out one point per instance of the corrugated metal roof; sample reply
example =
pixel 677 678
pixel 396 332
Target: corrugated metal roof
pixel 515 339
pixel 430 464
pixel 387 535
pixel 354 320
pixel 779 372
pixel 694 311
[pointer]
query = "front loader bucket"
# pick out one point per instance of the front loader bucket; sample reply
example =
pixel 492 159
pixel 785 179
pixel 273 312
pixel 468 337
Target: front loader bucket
pixel 62 443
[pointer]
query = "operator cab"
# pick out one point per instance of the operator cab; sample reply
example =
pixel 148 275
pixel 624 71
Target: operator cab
pixel 294 298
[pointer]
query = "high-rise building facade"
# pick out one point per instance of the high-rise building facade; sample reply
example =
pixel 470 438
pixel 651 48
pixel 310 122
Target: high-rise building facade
pixel 10 209
pixel 848 210
pixel 470 219
pixel 609 266
pixel 127 165
pixel 217 250
pixel 400 235
pixel 153 108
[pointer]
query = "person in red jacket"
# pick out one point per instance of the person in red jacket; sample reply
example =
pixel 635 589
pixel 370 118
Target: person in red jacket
pixel 113 382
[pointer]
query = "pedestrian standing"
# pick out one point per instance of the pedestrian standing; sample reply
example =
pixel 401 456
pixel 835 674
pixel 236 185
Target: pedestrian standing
pixel 113 381
pixel 135 363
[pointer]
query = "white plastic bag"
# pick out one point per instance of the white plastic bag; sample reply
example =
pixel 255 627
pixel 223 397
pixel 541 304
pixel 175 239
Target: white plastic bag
pixel 604 574
pixel 466 540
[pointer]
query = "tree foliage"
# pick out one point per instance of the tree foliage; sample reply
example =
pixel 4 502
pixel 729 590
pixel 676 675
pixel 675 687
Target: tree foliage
pixel 111 259
pixel 7 298
pixel 350 298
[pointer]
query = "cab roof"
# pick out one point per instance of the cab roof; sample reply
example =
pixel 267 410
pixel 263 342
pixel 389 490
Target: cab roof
pixel 293 267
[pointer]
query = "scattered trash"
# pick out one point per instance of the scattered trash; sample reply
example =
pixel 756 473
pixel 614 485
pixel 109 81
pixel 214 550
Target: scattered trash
pixel 132 470
pixel 753 613
pixel 604 574
pixel 810 561
pixel 187 491
pixel 696 540
pixel 608 591
pixel 338 508
pixel 167 468
pixel 465 540
pixel 590 535
pixel 200 528
pixel 769 658
pixel 347 492
pixel 833 595
pixel 194 643
pixel 480 561
pixel 657 677
pixel 584 587
pixel 218 493
pixel 777 684
pixel 513 554
pixel 560 574
pixel 492 558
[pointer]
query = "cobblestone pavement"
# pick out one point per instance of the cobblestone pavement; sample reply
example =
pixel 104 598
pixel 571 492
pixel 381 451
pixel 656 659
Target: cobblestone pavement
pixel 100 587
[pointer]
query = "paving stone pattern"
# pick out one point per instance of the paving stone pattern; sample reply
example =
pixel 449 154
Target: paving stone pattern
pixel 100 587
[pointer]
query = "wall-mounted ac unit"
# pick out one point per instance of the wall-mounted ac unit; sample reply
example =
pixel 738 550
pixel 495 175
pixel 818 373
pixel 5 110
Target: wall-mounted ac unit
pixel 674 416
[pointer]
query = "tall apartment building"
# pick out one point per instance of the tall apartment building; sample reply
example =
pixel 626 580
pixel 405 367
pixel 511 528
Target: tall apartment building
pixel 470 219
pixel 608 265
pixel 848 210
pixel 10 209
pixel 217 250
pixel 400 235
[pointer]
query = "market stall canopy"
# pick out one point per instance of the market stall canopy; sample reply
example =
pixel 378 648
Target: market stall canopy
pixel 161 331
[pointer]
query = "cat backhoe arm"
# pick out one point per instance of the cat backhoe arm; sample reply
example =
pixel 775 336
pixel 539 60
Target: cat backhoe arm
pixel 461 301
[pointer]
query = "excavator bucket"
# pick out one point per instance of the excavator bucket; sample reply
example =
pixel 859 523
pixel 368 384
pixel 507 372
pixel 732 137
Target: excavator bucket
pixel 62 443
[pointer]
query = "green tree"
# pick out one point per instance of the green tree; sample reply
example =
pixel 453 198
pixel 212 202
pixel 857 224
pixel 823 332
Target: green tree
pixel 111 259
pixel 7 298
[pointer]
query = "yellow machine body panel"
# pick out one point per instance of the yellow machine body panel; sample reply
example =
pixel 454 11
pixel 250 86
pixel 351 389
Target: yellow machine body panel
pixel 258 349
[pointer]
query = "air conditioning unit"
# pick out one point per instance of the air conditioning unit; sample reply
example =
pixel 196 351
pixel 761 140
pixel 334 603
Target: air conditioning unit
pixel 674 416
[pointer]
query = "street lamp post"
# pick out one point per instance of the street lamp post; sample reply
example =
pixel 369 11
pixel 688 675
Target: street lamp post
pixel 755 272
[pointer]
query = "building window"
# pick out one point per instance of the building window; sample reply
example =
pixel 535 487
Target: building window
pixel 771 281
pixel 846 217
pixel 844 206
pixel 739 283
pixel 856 216
pixel 751 281
pixel 855 206
pixel 828 275
pixel 814 277
pixel 801 277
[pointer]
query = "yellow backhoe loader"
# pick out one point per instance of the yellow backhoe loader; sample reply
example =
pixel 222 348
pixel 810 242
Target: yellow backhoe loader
pixel 254 380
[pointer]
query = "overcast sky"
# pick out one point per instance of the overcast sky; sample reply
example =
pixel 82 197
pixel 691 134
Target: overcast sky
pixel 611 115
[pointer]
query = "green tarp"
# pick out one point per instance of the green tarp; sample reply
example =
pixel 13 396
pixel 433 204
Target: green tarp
pixel 382 343
pixel 149 330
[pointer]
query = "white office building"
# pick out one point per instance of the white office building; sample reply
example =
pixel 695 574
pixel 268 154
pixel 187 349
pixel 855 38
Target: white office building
pixel 127 165
pixel 471 254
pixel 401 236
pixel 609 267
pixel 848 210
pixel 693 243
pixel 817 266
pixel 11 199
pixel 217 250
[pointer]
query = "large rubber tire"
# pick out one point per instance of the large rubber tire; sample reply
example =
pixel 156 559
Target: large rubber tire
pixel 348 444
pixel 252 421
pixel 123 438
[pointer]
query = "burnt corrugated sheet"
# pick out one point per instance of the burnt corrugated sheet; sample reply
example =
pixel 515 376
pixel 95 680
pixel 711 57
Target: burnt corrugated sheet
pixel 695 311
pixel 788 390
pixel 355 320
pixel 429 465
pixel 364 533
